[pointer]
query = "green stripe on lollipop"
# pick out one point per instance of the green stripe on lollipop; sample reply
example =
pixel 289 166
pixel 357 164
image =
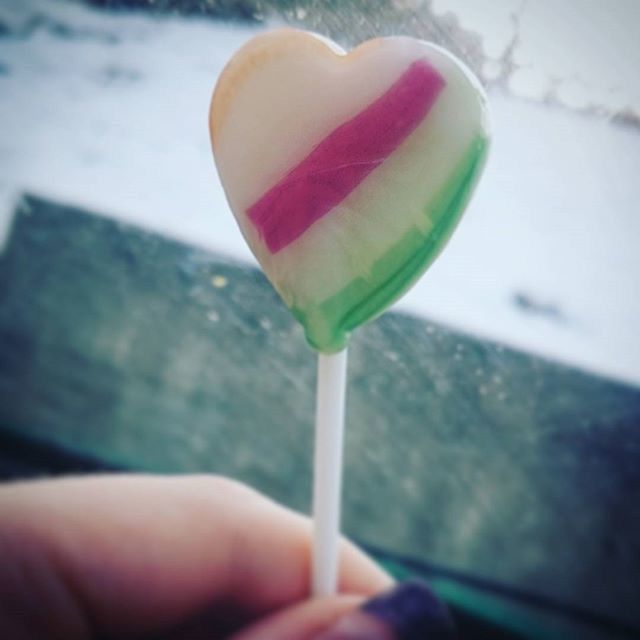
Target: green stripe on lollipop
pixel 327 326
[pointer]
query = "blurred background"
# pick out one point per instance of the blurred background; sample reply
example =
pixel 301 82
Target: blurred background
pixel 494 415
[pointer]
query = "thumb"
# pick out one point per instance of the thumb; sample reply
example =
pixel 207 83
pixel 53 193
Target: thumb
pixel 302 621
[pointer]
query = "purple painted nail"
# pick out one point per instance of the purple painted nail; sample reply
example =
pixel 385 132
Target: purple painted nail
pixel 410 611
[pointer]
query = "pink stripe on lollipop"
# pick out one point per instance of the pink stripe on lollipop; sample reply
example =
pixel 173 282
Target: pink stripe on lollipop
pixel 345 158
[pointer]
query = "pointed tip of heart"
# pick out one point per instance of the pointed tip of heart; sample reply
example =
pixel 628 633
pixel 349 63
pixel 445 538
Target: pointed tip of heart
pixel 328 325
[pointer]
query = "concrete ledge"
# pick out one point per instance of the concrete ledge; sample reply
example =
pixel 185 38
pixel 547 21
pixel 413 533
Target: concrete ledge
pixel 151 354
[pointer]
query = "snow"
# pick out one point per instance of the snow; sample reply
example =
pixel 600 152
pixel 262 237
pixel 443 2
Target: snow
pixel 109 111
pixel 583 53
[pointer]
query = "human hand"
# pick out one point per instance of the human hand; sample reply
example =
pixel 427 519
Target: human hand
pixel 174 558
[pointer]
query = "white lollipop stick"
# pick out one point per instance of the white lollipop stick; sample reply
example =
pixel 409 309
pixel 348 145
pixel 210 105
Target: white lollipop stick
pixel 327 477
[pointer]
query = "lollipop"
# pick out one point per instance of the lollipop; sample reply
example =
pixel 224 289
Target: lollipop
pixel 347 174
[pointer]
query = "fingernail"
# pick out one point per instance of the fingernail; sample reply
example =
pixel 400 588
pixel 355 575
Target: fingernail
pixel 410 611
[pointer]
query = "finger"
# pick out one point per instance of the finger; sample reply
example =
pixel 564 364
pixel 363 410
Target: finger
pixel 301 621
pixel 136 554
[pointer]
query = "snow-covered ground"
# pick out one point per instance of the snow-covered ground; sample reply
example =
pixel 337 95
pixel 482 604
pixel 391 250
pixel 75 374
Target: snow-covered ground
pixel 583 54
pixel 109 111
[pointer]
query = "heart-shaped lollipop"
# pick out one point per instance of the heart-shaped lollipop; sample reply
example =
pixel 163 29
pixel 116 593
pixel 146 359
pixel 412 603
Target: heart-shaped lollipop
pixel 347 172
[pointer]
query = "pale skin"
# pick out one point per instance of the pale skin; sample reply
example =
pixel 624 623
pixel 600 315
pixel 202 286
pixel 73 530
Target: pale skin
pixel 163 557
